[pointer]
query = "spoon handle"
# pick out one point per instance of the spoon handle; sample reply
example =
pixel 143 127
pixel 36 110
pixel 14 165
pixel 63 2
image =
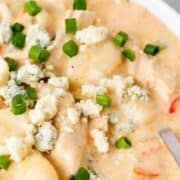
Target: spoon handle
pixel 171 142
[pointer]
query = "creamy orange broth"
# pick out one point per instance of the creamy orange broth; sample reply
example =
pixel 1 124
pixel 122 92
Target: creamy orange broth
pixel 160 75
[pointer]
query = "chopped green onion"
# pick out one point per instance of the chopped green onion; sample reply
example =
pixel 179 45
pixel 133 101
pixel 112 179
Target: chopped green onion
pixel 81 174
pixel 71 26
pixel 4 162
pixel 17 27
pixel 80 4
pixel 18 104
pixel 103 100
pixel 151 49
pixel 32 8
pixel 77 100
pixel 38 54
pixel 72 177
pixel 11 63
pixel 70 48
pixel 121 38
pixel 19 40
pixel 123 143
pixel 31 93
pixel 129 54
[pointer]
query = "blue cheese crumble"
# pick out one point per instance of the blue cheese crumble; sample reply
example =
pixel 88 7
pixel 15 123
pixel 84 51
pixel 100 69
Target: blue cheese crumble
pixel 37 35
pixel 46 137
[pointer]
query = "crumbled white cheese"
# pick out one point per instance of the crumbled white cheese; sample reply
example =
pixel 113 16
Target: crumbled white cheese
pixel 118 83
pixel 90 90
pixel 136 92
pixel 17 148
pixel 59 82
pixel 37 116
pixel 84 18
pixel 114 117
pixel 89 108
pixel 46 137
pixel 5 33
pixel 45 109
pixel 92 35
pixel 9 91
pixel 73 115
pixel 125 87
pixel 100 140
pixel 93 175
pixel 67 129
pixel 125 127
pixel 29 73
pixel 37 35
pixel 137 112
pixel 30 130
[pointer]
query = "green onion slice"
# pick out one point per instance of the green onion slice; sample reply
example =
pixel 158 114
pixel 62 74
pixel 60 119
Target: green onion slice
pixel 11 63
pixel 71 26
pixel 123 143
pixel 18 104
pixel 17 27
pixel 32 8
pixel 70 48
pixel 80 4
pixel 81 174
pixel 151 49
pixel 4 162
pixel 38 54
pixel 129 54
pixel 19 40
pixel 77 100
pixel 31 93
pixel 121 38
pixel 103 100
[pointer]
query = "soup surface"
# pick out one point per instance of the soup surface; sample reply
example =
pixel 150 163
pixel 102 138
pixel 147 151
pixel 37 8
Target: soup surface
pixel 85 87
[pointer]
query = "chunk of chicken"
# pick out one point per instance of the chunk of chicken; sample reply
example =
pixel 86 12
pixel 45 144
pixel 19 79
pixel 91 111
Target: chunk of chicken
pixel 162 80
pixel 4 72
pixel 34 167
pixel 11 125
pixel 138 112
pixel 94 63
pixel 5 14
pixel 69 152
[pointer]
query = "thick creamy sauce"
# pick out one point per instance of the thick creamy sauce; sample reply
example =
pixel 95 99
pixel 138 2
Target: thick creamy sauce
pixel 160 75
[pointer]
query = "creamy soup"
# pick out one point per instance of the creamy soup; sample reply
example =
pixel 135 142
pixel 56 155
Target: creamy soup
pixel 85 87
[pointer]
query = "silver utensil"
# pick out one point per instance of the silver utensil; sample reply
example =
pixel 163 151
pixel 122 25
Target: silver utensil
pixel 171 141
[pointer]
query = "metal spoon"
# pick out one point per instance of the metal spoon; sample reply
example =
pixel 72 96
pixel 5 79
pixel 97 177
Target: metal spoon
pixel 171 142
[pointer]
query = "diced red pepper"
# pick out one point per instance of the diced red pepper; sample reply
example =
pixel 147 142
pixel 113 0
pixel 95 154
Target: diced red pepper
pixel 174 105
pixel 141 172
pixel 1 49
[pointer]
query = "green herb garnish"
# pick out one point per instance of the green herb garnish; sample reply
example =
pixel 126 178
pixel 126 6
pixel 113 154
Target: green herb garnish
pixel 70 48
pixel 151 49
pixel 32 8
pixel 129 54
pixel 123 143
pixel 121 38
pixel 38 54
pixel 103 100
pixel 11 63
pixel 18 104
